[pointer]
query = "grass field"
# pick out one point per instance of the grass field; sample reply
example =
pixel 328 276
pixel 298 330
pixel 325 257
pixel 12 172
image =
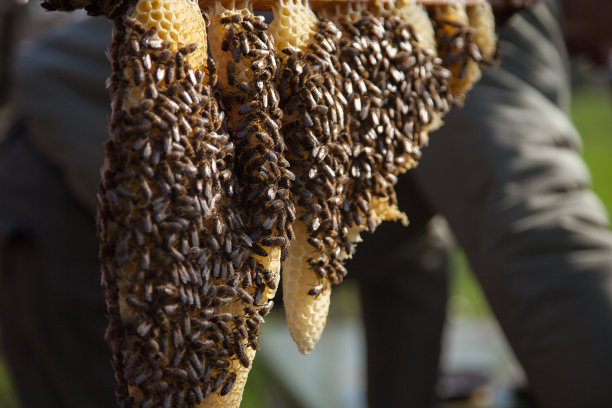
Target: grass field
pixel 592 113
pixel 7 396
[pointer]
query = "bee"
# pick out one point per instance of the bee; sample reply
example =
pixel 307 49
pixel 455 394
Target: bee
pixel 258 250
pixel 245 296
pixel 231 73
pixel 235 18
pixel 340 269
pixel 185 127
pixel 177 338
pixel 219 379
pixel 277 114
pixel 261 40
pixel 245 48
pixel 266 308
pixel 281 223
pixel 145 260
pixel 138 72
pixel 329 172
pixel 269 222
pixel 315 224
pixel 143 328
pixel 226 20
pixel 276 205
pixel 247 25
pixel 169 104
pixel 151 91
pixel 249 107
pixel 316 243
pixel 259 24
pixel 192 375
pixel 273 96
pixel 274 241
pixel 227 387
pixel 197 391
pixel 139 127
pixel 265 138
pixel 253 342
pixel 188 49
pixel 236 54
pixel 316 290
pixel 167 402
pixel 163 56
pixel 142 377
pixel 180 65
pixel 167 116
pixel 161 388
pixel 220 301
pixel 228 39
pixel 228 250
pixel 179 399
pixel 177 373
pixel 263 75
pixel 271 125
pixel 146 61
pixel 309 139
pixel 170 73
pixel 362 204
pixel 238 348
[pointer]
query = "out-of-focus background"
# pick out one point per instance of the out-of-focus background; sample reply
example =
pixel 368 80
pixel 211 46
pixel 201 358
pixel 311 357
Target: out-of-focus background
pixel 478 368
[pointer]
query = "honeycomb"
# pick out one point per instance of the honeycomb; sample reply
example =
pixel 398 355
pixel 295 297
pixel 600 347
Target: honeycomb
pixel 177 22
pixel 216 33
pixel 210 159
pixel 293 23
pixel 234 397
pixel 307 314
pixel 412 13
pixel 481 18
pixel 339 13
pixel 452 32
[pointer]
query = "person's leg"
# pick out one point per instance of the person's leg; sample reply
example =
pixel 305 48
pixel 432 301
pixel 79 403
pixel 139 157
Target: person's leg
pixel 414 260
pixel 52 313
pixel 403 277
pixel 507 175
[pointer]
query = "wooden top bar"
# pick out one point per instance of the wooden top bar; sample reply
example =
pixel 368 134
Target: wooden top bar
pixel 315 3
pixel 498 5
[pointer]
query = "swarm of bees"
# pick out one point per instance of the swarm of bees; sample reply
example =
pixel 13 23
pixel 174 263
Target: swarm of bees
pixel 281 147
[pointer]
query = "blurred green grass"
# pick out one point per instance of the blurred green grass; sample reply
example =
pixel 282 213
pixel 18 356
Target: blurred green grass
pixel 592 114
pixel 8 399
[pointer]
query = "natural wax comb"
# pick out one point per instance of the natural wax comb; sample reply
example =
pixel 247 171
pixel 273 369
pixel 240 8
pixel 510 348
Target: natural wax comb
pixel 186 288
pixel 282 147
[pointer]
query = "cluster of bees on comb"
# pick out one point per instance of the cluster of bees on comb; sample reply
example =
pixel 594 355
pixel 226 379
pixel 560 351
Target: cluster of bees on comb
pixel 237 146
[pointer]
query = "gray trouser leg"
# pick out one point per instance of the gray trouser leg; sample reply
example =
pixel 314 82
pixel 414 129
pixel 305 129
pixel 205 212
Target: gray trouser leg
pixel 516 194
pixel 403 277
pixel 506 173
pixel 52 311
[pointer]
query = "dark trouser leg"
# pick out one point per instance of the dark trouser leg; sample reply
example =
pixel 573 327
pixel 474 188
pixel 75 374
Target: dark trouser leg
pixel 507 176
pixel 403 277
pixel 51 303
